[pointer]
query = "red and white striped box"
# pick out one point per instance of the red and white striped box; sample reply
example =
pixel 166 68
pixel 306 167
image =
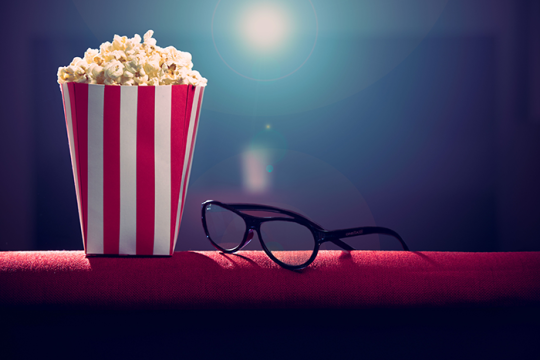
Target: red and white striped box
pixel 131 150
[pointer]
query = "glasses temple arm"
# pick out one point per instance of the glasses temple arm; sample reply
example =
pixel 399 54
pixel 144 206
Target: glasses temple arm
pixel 342 244
pixel 334 236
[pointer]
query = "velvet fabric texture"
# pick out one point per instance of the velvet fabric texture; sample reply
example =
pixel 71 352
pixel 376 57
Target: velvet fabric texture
pixel 249 279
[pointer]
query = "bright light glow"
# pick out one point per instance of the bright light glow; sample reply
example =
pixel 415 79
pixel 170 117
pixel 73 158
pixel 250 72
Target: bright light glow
pixel 265 26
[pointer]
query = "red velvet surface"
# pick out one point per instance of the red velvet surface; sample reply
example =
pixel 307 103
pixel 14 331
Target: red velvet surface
pixel 359 279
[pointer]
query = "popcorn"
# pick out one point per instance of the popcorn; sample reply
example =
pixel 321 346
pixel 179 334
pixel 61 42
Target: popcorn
pixel 130 62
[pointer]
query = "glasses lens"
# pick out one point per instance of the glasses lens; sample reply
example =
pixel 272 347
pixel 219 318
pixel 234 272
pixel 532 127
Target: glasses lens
pixel 280 237
pixel 226 228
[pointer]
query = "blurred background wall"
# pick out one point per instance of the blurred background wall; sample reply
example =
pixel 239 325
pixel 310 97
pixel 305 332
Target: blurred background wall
pixel 422 116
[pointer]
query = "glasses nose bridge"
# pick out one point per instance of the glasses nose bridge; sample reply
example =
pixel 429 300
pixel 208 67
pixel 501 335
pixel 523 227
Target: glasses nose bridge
pixel 251 228
pixel 252 224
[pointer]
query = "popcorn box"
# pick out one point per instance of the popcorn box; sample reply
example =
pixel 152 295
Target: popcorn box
pixel 131 151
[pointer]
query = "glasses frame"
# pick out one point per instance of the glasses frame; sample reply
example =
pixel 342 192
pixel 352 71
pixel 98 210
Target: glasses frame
pixel 320 235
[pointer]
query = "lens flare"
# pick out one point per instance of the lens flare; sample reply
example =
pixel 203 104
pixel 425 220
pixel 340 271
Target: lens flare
pixel 255 175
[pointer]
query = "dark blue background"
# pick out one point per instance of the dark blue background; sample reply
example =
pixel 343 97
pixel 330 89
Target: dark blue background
pixel 425 121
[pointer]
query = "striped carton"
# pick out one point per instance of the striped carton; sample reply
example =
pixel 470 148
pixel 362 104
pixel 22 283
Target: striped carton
pixel 131 150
